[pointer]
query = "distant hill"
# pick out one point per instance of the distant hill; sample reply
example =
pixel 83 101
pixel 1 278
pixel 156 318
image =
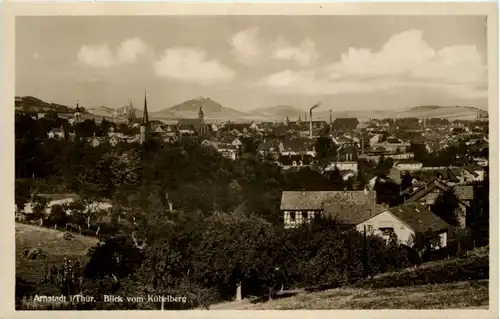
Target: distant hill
pixel 279 112
pixel 190 108
pixel 33 104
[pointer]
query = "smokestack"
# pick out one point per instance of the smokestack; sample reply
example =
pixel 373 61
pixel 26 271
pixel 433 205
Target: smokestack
pixel 305 116
pixel 311 123
pixel 330 122
pixel 310 120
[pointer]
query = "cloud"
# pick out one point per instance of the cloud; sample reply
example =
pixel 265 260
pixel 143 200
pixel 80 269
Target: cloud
pixel 102 56
pixel 303 54
pixel 405 60
pixel 191 65
pixel 130 50
pixel 246 48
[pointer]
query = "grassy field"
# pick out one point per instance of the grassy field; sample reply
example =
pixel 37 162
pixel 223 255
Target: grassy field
pixel 56 248
pixel 467 294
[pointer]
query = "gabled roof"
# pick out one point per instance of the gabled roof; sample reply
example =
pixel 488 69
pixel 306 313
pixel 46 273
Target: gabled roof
pixel 464 192
pixel 291 200
pixel 418 217
pixel 352 214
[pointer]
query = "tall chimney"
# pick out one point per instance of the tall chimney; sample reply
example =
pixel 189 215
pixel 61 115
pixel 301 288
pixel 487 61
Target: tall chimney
pixel 330 122
pixel 305 116
pixel 311 124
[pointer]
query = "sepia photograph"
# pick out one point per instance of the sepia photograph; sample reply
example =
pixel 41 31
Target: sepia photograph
pixel 252 161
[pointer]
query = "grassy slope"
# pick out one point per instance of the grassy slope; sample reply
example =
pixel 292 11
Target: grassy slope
pixel 28 236
pixel 439 296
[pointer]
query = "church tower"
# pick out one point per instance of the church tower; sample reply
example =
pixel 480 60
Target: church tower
pixel 202 127
pixel 145 125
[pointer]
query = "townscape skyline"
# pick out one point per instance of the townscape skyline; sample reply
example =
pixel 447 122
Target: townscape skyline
pixel 250 62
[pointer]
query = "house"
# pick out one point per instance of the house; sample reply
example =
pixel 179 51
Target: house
pixel 430 192
pixel 300 207
pixel 56 133
pixel 227 150
pixel 347 153
pixel 253 126
pixel 392 145
pixel 295 147
pixel 237 142
pixel 296 161
pixel 114 140
pixel 404 221
pixel 345 124
pixel 408 165
pixel 269 147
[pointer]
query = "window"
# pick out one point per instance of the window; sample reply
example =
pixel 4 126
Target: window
pixel 387 231
pixel 369 228
pixel 310 215
pixel 292 216
pixel 298 217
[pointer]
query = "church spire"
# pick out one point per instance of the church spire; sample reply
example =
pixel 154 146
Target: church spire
pixel 145 117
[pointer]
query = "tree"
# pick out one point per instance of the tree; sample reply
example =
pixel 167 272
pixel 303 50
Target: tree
pixel 22 194
pixel 57 216
pixel 406 181
pixel 446 207
pixel 388 192
pixel 39 205
pixel 231 254
pixel 325 148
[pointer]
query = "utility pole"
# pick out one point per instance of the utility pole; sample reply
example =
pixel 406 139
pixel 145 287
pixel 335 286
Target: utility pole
pixel 365 253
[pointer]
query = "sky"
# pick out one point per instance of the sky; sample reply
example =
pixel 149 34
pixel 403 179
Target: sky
pixel 249 62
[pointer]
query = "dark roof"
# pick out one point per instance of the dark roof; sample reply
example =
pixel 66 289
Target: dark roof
pixel 267 144
pixel 418 217
pixel 446 173
pixel 352 214
pixel 236 126
pixel 189 122
pixel 294 145
pixel 291 200
pixel 350 123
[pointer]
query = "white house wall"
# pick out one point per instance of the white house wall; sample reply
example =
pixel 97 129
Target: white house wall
pixel 386 220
